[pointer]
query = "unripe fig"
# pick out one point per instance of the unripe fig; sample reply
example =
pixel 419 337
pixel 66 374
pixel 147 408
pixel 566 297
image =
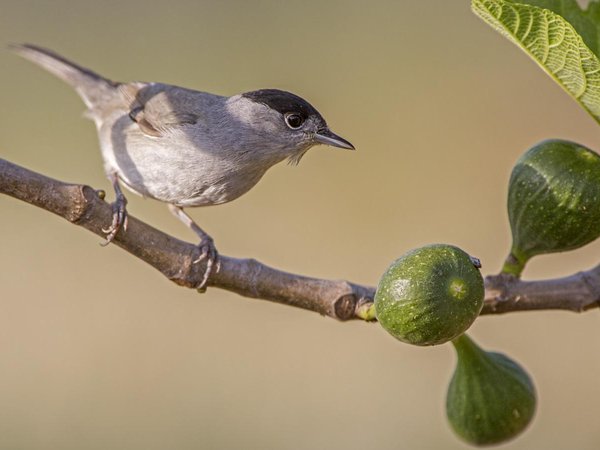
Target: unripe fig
pixel 490 399
pixel 553 201
pixel 430 295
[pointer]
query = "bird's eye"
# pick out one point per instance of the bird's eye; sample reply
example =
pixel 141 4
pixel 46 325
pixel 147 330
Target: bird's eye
pixel 294 121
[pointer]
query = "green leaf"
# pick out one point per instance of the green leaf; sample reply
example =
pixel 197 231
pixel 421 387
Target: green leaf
pixel 585 22
pixel 552 42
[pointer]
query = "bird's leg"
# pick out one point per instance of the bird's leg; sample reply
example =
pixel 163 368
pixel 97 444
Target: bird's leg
pixel 207 247
pixel 119 218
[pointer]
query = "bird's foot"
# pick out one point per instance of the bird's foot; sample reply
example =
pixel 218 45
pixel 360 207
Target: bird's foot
pixel 119 219
pixel 208 252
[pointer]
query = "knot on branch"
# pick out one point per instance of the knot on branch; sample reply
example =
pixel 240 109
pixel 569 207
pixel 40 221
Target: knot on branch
pixel 79 202
pixel 345 306
pixel 498 292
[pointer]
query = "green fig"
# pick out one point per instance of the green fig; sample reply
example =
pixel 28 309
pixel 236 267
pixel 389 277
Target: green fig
pixel 490 399
pixel 553 201
pixel 430 295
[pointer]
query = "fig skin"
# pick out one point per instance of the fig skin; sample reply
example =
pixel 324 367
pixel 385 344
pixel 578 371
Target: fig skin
pixel 430 295
pixel 491 398
pixel 553 201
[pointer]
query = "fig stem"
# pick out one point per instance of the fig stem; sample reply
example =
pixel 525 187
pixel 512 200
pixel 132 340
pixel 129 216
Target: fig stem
pixel 467 349
pixel 366 312
pixel 513 265
pixel 462 343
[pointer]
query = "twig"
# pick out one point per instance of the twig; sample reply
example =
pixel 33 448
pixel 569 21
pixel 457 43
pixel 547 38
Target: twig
pixel 339 299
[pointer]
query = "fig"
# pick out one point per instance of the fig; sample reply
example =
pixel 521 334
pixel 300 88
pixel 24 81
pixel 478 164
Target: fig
pixel 553 201
pixel 490 399
pixel 430 295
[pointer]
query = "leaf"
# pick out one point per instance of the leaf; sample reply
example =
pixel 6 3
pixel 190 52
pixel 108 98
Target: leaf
pixel 585 22
pixel 552 42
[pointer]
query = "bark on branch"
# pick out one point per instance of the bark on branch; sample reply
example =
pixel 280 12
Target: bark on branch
pixel 339 299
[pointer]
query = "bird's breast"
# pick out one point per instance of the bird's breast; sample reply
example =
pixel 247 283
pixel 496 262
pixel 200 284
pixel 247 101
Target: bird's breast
pixel 180 167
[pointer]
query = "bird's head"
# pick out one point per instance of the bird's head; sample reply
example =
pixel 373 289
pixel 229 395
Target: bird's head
pixel 287 123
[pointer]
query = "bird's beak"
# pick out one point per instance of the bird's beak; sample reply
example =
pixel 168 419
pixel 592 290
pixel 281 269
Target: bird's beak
pixel 327 137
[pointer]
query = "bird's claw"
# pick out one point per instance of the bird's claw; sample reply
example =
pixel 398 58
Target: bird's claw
pixel 208 252
pixel 119 219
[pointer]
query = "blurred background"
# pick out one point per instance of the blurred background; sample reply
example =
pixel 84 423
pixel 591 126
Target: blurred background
pixel 98 350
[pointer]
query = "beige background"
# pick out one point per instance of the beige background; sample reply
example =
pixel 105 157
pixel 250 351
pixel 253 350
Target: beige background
pixel 99 351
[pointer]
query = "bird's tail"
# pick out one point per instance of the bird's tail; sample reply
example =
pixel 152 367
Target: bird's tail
pixel 91 87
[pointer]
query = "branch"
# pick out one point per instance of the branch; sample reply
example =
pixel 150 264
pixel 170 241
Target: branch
pixel 83 206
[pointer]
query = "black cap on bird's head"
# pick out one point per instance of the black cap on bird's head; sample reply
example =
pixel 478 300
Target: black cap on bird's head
pixel 296 111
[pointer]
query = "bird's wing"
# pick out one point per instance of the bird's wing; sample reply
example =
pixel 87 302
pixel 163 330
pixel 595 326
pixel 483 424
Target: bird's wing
pixel 158 108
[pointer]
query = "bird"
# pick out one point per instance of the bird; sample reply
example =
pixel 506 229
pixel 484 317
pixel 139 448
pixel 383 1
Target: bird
pixel 184 147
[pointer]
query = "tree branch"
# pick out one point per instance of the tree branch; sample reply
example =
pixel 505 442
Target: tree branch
pixel 339 299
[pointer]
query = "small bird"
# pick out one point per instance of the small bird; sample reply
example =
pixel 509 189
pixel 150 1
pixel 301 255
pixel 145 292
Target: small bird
pixel 186 147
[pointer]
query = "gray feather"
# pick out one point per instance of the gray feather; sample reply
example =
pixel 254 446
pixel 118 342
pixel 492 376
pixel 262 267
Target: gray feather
pixel 91 87
pixel 186 147
pixel 158 107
